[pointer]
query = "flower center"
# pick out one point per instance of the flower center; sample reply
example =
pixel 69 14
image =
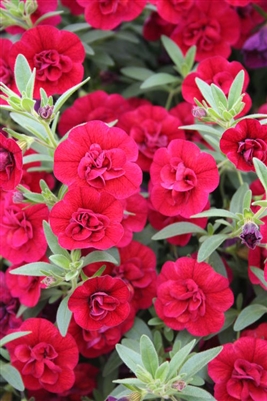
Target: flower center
pixel 177 177
pixel 101 304
pixel 202 33
pixel 20 229
pixel 50 65
pixel 250 148
pixel 149 137
pixel 7 163
pixel 98 166
pixel 85 224
pixel 245 377
pixel 6 74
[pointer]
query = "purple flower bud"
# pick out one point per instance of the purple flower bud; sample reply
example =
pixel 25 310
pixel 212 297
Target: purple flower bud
pixel 250 235
pixel 46 112
pixel 255 49
pixel 198 112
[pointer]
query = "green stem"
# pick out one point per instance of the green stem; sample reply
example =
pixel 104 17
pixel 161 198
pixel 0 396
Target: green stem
pixel 240 179
pixel 50 135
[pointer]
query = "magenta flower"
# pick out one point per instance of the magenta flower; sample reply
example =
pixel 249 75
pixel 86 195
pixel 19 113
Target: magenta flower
pixel 10 163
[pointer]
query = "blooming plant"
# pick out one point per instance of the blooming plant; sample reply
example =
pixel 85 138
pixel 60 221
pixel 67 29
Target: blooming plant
pixel 133 184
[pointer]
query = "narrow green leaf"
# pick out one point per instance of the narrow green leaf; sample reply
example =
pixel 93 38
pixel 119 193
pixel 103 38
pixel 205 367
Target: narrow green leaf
pixel 88 49
pixel 63 98
pixel 162 371
pixel 37 158
pixel 139 328
pixel 261 171
pixel 190 57
pixel 63 316
pixel 22 72
pixel 139 73
pixel 179 358
pixel 52 241
pixel 173 51
pixel 79 26
pixel 149 355
pixel 114 361
pixel 210 245
pixel 96 34
pixel 129 357
pixel 206 92
pixel 259 274
pixel 99 256
pixel 13 336
pixel 161 78
pixel 249 315
pixel 202 128
pixel 236 204
pixel 178 229
pixel 236 89
pixel 197 393
pixel 11 375
pixel 36 269
pixel 247 199
pixel 30 85
pixel 216 262
pixel 60 260
pixel 218 95
pixel 194 364
pixel 213 212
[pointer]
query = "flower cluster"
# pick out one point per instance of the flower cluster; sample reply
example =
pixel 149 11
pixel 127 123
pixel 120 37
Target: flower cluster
pixel 133 209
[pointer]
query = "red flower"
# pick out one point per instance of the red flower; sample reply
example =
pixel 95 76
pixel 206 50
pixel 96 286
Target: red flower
pixel 135 209
pixel 26 288
pixel 99 157
pixel 137 268
pixel 21 233
pixel 182 178
pixel 109 14
pixel 155 26
pixel 97 105
pixel 85 382
pixel 6 72
pixel 44 358
pixel 100 302
pixel 57 56
pixel 10 163
pixel 192 296
pixel 9 306
pixel 240 371
pixel 152 127
pixel 43 7
pixel 85 218
pixel 246 140
pixel 258 332
pixel 212 26
pixel 215 70
pixel 93 343
pixel 73 6
pixel 172 10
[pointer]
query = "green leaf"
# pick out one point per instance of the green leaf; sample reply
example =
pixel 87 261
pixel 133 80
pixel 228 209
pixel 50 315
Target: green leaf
pixel 33 126
pixel 202 128
pixel 197 394
pixel 63 316
pixel 88 49
pixel 173 51
pixel 216 262
pixel 178 229
pixel 129 357
pixel 36 269
pixel 261 171
pixel 149 355
pixel 206 92
pixel 22 72
pixel 162 371
pixel 236 89
pixel 210 245
pixel 52 241
pixel 194 364
pixel 236 204
pixel 96 34
pixel 13 336
pixel 11 375
pixel 215 213
pixel 37 158
pixel 161 78
pixel 60 260
pixel 139 328
pixel 218 96
pixel 190 57
pixel 30 85
pixel 259 274
pixel 114 361
pixel 247 199
pixel 249 315
pixel 100 256
pixel 179 358
pixel 79 26
pixel 63 98
pixel 139 73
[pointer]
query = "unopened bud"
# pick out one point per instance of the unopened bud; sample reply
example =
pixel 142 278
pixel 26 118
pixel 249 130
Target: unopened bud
pixel 46 112
pixel 250 235
pixel 179 385
pixel 198 112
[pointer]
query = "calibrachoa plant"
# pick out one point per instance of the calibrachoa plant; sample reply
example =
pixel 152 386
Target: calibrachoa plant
pixel 133 185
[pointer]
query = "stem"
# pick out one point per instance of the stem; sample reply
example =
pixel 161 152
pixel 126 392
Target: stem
pixel 240 179
pixel 50 135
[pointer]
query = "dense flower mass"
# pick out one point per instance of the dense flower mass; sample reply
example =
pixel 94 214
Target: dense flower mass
pixel 182 178
pixel 240 371
pixel 192 296
pixel 99 157
pixel 10 163
pixel 56 55
pixel 85 218
pixel 44 358
pixel 100 302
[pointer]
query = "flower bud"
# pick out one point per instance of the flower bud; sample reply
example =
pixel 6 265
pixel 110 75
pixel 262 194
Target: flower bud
pixel 46 112
pixel 198 112
pixel 250 235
